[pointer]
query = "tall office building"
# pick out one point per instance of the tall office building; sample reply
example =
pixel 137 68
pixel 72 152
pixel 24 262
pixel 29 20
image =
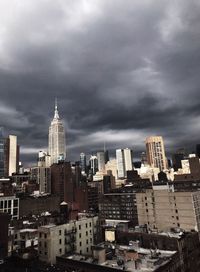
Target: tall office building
pixel 9 155
pixel 42 175
pixel 57 149
pixel 13 155
pixel 124 161
pixel 156 152
pixel 93 164
pixel 83 162
pixel 2 154
pixel 101 160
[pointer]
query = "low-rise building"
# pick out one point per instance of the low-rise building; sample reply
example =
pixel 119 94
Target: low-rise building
pixel 110 258
pixel 76 236
pixel 10 205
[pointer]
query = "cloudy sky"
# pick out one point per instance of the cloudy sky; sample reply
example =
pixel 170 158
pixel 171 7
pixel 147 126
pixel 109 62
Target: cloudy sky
pixel 121 69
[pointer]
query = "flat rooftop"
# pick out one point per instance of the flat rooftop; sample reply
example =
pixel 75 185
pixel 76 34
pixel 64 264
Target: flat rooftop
pixel 146 260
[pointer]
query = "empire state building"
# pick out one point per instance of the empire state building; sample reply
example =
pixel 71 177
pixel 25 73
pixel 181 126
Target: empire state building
pixel 56 138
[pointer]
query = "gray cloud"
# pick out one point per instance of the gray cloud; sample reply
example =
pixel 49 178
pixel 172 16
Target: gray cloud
pixel 122 70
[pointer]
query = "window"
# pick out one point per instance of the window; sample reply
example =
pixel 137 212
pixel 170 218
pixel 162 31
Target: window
pixel 87 249
pixel 79 227
pixel 40 234
pixel 45 244
pixel 15 203
pixel 80 244
pixel 9 203
pixel 90 224
pixel 86 233
pixel 60 250
pixel 60 232
pixel 79 235
pixel 87 241
pixel 45 236
pixel 15 211
pixel 86 225
pixel 60 241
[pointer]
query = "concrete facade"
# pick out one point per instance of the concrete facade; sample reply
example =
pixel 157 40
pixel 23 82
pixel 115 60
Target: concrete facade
pixel 75 236
pixel 164 209
pixel 156 152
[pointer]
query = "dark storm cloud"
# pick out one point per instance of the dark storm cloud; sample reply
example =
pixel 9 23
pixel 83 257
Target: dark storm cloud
pixel 122 70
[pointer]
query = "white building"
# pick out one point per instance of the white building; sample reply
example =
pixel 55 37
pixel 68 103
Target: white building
pixel 73 237
pixel 10 205
pixel 124 161
pixel 12 162
pixel 57 149
pixel 101 160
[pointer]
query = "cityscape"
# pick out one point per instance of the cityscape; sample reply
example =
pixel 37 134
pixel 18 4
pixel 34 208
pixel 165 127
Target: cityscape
pixel 99 136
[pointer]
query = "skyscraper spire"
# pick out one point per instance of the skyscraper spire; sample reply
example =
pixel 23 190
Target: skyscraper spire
pixel 56 115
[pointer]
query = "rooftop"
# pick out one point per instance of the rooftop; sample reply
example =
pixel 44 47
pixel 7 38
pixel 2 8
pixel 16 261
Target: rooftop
pixel 128 258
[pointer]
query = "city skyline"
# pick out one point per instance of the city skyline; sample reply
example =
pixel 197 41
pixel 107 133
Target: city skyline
pixel 118 79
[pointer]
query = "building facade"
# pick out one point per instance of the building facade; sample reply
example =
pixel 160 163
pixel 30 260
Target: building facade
pixel 74 237
pixel 9 155
pixel 124 161
pixel 57 149
pixel 164 209
pixel 10 205
pixel 83 162
pixel 156 152
pixel 42 176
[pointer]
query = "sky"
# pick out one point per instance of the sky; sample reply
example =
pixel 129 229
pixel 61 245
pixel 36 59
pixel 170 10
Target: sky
pixel 122 70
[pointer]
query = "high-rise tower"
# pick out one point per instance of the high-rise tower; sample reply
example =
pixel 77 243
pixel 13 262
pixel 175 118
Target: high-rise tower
pixel 57 149
pixel 124 161
pixel 156 152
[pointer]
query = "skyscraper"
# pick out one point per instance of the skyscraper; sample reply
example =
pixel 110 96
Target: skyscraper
pixel 2 154
pixel 57 149
pixel 124 161
pixel 9 155
pixel 156 152
pixel 13 156
pixel 83 162
pixel 101 160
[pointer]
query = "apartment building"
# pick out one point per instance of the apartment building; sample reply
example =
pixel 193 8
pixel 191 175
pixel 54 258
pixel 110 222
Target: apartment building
pixel 74 237
pixel 164 209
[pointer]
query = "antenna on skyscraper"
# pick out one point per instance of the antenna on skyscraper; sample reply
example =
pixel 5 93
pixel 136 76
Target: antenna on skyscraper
pixel 56 115
pixel 56 103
